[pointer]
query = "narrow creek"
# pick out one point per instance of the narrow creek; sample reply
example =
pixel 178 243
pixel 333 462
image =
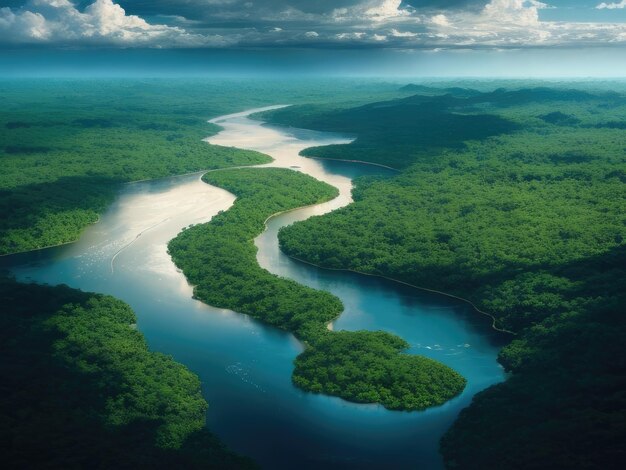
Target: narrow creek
pixel 245 366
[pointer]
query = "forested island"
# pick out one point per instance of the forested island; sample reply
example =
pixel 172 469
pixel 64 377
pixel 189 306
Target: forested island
pixel 219 259
pixel 525 218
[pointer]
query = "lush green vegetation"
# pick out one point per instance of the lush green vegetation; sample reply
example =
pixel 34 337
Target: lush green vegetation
pixel 564 405
pixel 367 366
pixel 79 386
pixel 67 145
pixel 512 198
pixel 400 132
pixel 219 258
pixel 64 158
pixel 529 225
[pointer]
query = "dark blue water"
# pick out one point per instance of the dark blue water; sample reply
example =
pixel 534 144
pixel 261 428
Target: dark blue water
pixel 245 367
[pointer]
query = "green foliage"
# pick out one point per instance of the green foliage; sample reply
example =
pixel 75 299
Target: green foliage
pixel 219 258
pixel 564 406
pixel 366 366
pixel 66 145
pixel 528 225
pixel 559 118
pixel 45 214
pixel 393 133
pixel 79 385
pixel 400 132
pixel 64 158
pixel 469 221
pixel 144 385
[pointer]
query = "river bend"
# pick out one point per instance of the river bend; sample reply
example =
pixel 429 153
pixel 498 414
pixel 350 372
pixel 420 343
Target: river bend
pixel 245 366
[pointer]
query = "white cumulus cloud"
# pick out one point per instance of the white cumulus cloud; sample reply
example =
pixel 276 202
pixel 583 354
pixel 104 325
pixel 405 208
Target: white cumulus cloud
pixel 611 6
pixel 401 34
pixel 440 20
pixel 372 10
pixel 385 9
pixel 101 23
pixel 516 23
pixel 265 23
pixel 519 12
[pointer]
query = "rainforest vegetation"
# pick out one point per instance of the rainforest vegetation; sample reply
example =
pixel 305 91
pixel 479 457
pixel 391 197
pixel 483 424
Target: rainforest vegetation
pixel 79 386
pixel 64 158
pixel 67 145
pixel 527 220
pixel 400 132
pixel 219 259
pixel 513 198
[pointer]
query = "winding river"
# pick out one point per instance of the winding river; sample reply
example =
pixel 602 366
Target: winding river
pixel 245 366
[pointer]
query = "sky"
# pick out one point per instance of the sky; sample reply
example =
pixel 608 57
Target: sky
pixel 559 38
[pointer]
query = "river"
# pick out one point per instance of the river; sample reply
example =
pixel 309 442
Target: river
pixel 245 366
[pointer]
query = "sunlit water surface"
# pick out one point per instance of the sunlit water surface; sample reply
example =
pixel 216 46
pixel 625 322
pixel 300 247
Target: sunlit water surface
pixel 245 366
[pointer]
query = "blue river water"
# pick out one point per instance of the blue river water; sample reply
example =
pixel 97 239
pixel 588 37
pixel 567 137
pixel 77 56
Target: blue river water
pixel 245 367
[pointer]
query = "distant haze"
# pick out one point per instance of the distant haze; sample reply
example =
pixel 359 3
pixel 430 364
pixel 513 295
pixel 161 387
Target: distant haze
pixel 385 63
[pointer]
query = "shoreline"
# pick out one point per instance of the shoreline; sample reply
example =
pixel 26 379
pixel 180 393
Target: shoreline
pixel 47 247
pixel 353 161
pixel 201 173
pixel 434 291
pixel 125 183
pixel 329 325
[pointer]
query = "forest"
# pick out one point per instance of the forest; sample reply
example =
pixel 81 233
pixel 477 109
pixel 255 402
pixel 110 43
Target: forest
pixel 512 198
pixel 219 259
pixel 80 386
pixel 67 145
pixel 406 130
pixel 527 222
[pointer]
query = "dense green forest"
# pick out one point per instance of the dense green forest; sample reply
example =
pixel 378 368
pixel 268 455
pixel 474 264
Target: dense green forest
pixel 513 199
pixel 66 145
pixel 219 259
pixel 526 220
pixel 400 132
pixel 564 405
pixel 79 386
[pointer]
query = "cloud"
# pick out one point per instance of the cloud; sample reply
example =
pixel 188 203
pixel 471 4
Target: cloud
pixel 351 36
pixel 611 6
pixel 401 34
pixel 516 23
pixel 440 20
pixel 386 9
pixel 100 23
pixel 433 24
pixel 519 12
